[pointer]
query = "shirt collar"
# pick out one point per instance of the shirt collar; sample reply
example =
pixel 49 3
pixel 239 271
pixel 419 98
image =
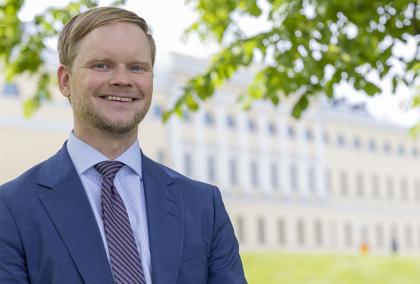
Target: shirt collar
pixel 85 156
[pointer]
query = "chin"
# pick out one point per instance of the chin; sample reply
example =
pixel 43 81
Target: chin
pixel 117 127
pixel 115 124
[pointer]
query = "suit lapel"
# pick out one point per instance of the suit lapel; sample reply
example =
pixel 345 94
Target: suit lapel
pixel 165 222
pixel 68 207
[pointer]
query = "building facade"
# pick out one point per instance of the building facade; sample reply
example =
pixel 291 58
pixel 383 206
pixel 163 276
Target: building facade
pixel 333 181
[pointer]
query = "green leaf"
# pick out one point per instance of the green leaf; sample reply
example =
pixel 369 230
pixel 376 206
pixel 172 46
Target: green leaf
pixel 371 89
pixel 300 106
pixel 251 7
pixel 394 84
pixel 414 130
pixel 30 106
pixel 415 102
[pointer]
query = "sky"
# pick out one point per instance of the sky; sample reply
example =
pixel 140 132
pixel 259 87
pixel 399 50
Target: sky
pixel 168 20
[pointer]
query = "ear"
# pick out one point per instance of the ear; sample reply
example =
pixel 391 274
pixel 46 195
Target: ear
pixel 63 76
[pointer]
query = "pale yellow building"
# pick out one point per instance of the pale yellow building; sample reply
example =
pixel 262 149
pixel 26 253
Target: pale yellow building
pixel 330 182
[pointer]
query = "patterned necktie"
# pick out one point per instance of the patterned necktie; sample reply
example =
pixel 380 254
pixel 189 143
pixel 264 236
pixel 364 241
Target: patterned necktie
pixel 125 259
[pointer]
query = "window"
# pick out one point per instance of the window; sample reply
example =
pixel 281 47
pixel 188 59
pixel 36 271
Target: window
pixel 404 189
pixel 408 237
pixel 211 169
pixel 319 238
pixel 394 234
pixel 281 230
pixel 272 128
pixel 261 230
pixel 274 175
pixel 379 236
pixel 348 235
pixel 344 188
pixel 375 187
pixel 387 147
pixel 417 189
pixel 327 181
pixel 254 173
pixel 208 118
pixel 312 179
pixel 356 142
pixel 233 172
pixel 231 123
pixel 187 164
pixel 252 125
pixel 364 234
pixel 372 145
pixel 293 178
pixel 10 90
pixel 309 135
pixel 414 152
pixel 186 116
pixel 390 188
pixel 291 132
pixel 326 137
pixel 341 141
pixel 360 185
pixel 401 150
pixel 300 232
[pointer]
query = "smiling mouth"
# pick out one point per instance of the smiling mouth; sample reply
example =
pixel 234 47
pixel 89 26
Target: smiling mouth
pixel 118 99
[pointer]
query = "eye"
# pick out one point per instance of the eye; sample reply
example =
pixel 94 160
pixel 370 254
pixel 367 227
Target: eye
pixel 137 68
pixel 101 66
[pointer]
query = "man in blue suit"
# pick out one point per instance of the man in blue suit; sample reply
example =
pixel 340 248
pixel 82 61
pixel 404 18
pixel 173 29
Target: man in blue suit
pixel 99 211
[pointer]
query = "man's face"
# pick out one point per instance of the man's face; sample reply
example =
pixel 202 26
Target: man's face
pixel 110 83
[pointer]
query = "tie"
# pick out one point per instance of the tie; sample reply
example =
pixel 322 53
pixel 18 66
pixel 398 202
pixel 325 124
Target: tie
pixel 125 259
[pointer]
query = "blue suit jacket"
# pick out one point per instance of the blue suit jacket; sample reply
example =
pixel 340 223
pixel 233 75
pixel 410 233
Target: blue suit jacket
pixel 48 233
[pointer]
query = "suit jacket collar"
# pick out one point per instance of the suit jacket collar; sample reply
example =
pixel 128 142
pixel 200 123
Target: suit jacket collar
pixel 165 222
pixel 68 207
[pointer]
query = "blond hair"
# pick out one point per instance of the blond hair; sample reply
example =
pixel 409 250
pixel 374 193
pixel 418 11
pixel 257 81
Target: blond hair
pixel 82 24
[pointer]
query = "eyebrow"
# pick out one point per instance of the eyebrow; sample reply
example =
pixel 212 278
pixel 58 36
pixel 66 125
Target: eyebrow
pixel 99 59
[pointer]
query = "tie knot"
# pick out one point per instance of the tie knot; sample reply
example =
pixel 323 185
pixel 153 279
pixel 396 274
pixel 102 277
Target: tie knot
pixel 108 169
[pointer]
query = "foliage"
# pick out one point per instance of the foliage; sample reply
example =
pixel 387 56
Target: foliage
pixel 23 45
pixel 309 48
pixel 273 268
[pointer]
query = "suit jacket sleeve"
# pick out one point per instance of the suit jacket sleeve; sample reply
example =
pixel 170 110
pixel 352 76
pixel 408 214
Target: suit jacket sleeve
pixel 225 266
pixel 12 263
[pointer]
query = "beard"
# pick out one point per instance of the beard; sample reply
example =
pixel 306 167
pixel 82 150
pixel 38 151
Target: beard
pixel 101 122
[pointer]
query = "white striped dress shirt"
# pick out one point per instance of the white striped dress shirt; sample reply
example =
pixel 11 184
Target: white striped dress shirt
pixel 129 184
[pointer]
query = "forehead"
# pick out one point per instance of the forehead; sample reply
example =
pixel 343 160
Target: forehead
pixel 120 39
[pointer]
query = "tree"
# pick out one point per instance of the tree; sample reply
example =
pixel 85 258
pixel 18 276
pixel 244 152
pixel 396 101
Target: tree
pixel 23 45
pixel 309 47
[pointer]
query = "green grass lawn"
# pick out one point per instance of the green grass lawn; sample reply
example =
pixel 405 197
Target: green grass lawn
pixel 279 268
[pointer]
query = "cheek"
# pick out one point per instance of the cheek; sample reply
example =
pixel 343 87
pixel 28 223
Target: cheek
pixel 86 90
pixel 92 83
pixel 147 85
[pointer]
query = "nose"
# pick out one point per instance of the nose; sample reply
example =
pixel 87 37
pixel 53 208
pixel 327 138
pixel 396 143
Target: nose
pixel 120 77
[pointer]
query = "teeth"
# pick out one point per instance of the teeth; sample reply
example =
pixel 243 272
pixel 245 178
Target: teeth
pixel 120 99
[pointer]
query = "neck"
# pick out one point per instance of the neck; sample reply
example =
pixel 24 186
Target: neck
pixel 110 144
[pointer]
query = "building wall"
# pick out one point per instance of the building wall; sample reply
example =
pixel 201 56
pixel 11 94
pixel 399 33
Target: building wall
pixel 330 182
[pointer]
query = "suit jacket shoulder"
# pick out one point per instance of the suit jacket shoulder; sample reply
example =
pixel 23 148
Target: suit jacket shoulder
pixel 197 222
pixel 52 235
